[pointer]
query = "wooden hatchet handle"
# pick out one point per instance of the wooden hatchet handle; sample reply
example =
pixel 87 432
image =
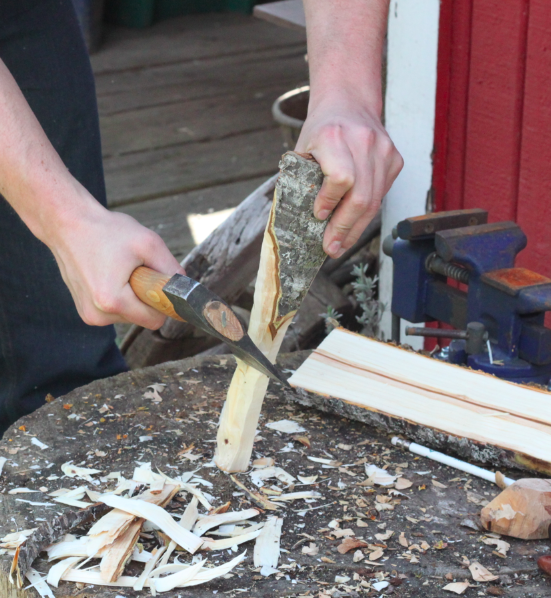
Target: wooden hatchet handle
pixel 148 285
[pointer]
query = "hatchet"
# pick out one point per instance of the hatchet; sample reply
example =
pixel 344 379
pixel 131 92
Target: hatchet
pixel 187 300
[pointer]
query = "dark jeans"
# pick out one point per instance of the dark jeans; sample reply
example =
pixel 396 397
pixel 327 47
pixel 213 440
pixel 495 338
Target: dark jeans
pixel 44 345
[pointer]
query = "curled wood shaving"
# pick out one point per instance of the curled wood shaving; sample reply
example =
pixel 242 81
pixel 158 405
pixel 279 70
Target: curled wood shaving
pixel 297 496
pixel 258 476
pixel 72 471
pixel 177 579
pixel 224 543
pixel 158 516
pixel 39 583
pixel 235 530
pixel 202 576
pixel 59 569
pixel 205 523
pixel 68 548
pixel 266 548
pixel 187 521
pixel 156 554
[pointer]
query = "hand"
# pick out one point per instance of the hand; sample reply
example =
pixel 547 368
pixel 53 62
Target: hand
pixel 359 162
pixel 97 251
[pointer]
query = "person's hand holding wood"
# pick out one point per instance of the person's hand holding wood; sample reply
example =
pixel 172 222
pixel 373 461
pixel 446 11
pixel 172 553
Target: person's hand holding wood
pixel 343 130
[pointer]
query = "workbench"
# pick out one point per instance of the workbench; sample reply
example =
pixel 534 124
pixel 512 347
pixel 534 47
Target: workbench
pixel 109 425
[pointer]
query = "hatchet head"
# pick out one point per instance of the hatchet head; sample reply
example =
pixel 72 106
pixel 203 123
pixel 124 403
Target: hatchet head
pixel 202 308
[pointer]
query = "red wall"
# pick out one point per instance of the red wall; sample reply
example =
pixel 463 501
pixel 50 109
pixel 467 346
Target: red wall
pixel 493 116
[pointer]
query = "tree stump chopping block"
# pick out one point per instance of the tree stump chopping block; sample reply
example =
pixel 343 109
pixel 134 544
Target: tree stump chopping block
pixel 109 425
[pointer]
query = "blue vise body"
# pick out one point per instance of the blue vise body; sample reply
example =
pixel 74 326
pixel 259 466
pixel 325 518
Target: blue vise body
pixel 456 268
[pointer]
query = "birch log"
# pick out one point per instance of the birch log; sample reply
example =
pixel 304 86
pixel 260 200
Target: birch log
pixel 290 258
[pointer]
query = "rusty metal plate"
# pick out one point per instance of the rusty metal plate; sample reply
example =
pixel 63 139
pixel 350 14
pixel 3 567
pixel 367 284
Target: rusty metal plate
pixel 428 224
pixel 513 280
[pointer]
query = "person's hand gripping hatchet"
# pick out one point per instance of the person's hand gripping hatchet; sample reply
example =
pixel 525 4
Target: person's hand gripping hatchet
pixel 187 300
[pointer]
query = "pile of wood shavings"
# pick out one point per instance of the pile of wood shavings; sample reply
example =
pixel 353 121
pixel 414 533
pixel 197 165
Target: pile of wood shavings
pixel 113 538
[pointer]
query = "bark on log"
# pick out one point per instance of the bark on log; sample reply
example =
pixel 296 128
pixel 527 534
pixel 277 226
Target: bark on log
pixel 292 254
pixel 225 262
pixel 46 533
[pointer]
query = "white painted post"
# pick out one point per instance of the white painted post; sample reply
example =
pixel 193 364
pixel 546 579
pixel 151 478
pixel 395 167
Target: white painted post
pixel 409 119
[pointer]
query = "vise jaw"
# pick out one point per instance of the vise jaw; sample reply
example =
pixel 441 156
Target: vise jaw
pixel 456 268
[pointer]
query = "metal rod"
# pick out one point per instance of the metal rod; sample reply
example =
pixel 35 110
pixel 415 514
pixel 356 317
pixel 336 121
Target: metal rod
pixel 434 263
pixel 435 332
pixel 424 451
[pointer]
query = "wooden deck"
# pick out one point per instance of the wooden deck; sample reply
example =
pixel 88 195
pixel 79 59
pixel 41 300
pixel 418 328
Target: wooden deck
pixel 185 110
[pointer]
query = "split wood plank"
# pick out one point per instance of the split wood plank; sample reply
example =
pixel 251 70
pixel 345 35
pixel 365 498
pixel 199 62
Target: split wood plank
pixel 194 37
pixel 188 81
pixel 475 414
pixel 291 256
pixel 158 173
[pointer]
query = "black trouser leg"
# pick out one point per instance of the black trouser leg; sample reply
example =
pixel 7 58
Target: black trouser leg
pixel 44 345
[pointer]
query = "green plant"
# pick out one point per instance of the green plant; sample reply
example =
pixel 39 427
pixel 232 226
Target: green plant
pixel 365 290
pixel 331 317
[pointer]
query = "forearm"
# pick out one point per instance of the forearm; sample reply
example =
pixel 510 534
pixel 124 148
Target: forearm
pixel 33 178
pixel 345 43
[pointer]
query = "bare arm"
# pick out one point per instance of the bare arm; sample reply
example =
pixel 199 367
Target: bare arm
pixel 343 130
pixel 96 250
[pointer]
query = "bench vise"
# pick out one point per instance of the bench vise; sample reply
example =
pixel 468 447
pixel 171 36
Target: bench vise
pixel 454 267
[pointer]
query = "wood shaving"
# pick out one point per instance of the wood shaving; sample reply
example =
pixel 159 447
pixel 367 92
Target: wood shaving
pixel 286 426
pixel 205 523
pixel 84 473
pixel 156 515
pixel 480 573
pixel 501 546
pixel 458 587
pixel 267 546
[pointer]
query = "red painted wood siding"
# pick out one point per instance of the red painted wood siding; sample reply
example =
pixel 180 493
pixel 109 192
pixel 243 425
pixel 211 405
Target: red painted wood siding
pixel 493 116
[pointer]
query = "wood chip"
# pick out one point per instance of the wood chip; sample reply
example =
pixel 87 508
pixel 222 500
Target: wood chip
pixel 376 554
pixel 402 484
pixel 311 550
pixel 480 573
pixel 438 484
pixel 349 544
pixel 458 587
pixel 501 546
pixel 286 426
pixel 84 473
